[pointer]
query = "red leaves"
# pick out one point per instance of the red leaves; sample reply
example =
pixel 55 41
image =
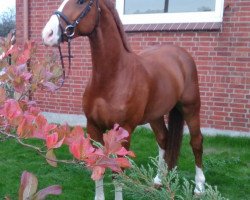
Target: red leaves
pixel 82 149
pixel 96 159
pixel 52 141
pixel 29 185
pixel 124 152
pixel 100 159
pixel 24 75
pixel 30 124
pixel 25 56
pixel 44 78
pixel 74 136
pixel 123 162
pixel 24 117
pixel 2 96
pixel 20 77
pixel 43 128
pixel 113 140
pixel 26 128
pixel 11 111
pixel 97 172
pixel 26 120
pixel 10 50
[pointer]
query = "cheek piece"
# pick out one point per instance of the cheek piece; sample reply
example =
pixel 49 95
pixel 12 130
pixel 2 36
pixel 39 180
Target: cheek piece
pixel 69 30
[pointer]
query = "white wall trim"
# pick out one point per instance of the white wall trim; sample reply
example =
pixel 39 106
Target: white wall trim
pixel 70 119
pixel 80 120
pixel 215 132
pixel 162 18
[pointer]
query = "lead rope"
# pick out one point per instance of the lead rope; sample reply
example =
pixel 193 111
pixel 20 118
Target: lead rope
pixel 63 68
pixel 69 54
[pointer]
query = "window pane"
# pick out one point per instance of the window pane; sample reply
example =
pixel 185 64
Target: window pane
pixel 144 6
pixel 171 6
pixel 176 6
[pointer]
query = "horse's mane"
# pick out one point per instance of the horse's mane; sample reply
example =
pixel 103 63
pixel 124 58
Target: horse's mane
pixel 111 7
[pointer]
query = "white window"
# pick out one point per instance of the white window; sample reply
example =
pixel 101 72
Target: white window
pixel 170 11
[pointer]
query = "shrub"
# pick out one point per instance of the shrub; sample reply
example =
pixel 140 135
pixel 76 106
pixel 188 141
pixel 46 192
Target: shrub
pixel 173 187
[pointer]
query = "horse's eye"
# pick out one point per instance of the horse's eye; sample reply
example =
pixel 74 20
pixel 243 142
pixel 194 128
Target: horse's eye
pixel 81 1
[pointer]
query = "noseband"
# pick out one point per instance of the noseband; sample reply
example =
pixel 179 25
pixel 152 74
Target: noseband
pixel 69 32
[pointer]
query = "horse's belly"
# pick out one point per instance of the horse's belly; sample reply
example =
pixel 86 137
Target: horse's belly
pixel 160 104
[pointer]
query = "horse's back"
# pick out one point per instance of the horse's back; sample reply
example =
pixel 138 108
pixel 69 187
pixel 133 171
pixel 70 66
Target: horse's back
pixel 169 54
pixel 173 60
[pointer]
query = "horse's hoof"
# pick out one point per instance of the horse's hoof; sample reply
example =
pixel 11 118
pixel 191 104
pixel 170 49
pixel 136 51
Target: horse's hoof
pixel 99 197
pixel 199 191
pixel 157 186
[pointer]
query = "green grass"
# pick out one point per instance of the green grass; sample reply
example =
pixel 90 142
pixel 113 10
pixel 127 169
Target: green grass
pixel 226 160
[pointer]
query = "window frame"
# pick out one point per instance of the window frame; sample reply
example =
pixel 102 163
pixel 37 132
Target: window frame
pixel 172 18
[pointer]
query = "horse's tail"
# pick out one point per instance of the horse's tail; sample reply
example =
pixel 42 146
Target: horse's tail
pixel 174 138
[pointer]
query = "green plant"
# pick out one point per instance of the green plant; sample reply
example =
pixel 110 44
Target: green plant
pixel 173 187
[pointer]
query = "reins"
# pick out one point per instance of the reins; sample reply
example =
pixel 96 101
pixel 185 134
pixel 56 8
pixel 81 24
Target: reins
pixel 69 56
pixel 69 33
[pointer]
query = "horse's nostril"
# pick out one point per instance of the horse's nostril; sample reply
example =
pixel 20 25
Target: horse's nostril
pixel 51 33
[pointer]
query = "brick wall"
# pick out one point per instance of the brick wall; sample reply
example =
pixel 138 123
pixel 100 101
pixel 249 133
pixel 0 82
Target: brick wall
pixel 222 57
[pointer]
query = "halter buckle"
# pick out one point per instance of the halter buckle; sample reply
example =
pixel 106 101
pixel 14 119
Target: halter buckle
pixel 69 31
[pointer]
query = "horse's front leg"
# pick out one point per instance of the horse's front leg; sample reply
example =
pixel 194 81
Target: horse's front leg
pixel 118 192
pixel 97 135
pixel 99 191
pixel 126 145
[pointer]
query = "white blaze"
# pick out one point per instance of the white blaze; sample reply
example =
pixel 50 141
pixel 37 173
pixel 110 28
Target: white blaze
pixel 62 5
pixel 51 32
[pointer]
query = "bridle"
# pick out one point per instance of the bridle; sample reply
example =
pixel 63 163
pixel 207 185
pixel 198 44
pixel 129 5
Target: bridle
pixel 69 32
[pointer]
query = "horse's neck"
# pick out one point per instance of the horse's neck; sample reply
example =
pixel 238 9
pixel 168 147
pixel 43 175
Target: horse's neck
pixel 107 47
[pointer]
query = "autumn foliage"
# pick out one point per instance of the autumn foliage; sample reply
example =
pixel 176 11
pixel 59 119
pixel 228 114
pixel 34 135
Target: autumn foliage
pixel 29 185
pixel 20 118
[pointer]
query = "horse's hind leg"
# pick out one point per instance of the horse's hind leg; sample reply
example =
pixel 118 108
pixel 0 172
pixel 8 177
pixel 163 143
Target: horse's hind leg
pixel 192 117
pixel 161 133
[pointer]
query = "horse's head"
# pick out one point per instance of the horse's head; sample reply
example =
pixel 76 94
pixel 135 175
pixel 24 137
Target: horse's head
pixel 73 18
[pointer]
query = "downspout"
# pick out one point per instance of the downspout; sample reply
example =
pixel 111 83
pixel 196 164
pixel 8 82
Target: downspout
pixel 25 20
pixel 26 31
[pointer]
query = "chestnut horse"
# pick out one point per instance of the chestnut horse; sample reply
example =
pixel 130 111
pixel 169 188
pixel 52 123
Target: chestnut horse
pixel 131 89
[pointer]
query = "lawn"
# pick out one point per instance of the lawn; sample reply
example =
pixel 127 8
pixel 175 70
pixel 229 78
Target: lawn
pixel 226 160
